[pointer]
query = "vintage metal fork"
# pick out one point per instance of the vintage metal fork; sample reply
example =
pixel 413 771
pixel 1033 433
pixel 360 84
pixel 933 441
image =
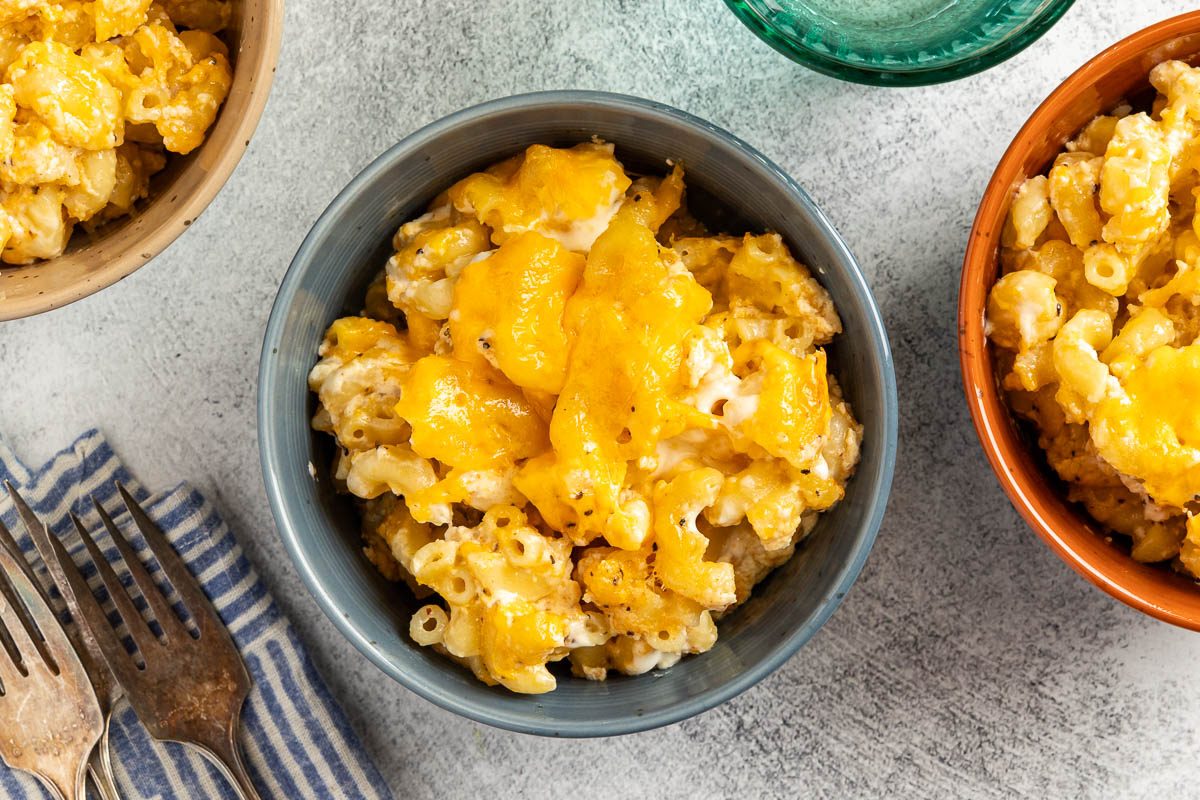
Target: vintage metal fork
pixel 191 687
pixel 50 720
pixel 107 691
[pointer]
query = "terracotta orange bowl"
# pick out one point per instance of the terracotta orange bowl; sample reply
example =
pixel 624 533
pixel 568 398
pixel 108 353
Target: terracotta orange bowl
pixel 177 194
pixel 1120 72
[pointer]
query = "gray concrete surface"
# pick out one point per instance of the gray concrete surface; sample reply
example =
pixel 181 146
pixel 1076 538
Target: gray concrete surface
pixel 968 661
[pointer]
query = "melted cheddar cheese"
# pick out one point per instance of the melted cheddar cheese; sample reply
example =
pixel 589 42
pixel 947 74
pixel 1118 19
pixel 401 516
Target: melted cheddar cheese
pixel 581 422
pixel 1150 427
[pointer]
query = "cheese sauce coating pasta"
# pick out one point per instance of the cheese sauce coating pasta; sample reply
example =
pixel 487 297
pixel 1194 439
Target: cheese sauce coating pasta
pixel 92 97
pixel 1096 318
pixel 581 424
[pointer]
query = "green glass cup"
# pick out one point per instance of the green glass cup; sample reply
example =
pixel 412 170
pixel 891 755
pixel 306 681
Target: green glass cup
pixel 899 42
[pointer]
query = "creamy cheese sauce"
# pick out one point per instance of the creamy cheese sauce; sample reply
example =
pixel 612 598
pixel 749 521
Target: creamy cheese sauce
pixel 579 235
pixel 648 659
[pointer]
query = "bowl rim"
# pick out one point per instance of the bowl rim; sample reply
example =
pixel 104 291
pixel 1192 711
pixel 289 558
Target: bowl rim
pixel 989 411
pixel 901 75
pixel 290 529
pixel 145 249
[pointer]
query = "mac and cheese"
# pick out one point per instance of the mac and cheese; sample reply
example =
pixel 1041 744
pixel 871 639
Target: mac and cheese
pixel 92 96
pixel 580 423
pixel 1097 318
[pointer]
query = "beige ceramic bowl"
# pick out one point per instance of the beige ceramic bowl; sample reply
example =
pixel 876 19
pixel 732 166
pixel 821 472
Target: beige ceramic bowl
pixel 177 195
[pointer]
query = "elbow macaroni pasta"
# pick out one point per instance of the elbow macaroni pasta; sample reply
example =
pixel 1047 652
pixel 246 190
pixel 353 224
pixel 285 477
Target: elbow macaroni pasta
pixel 1097 318
pixel 92 96
pixel 579 422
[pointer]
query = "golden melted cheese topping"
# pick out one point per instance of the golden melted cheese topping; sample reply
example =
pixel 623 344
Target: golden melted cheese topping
pixel 583 423
pixel 1150 427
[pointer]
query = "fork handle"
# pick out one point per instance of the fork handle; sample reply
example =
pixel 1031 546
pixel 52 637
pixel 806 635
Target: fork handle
pixel 105 787
pixel 100 768
pixel 228 759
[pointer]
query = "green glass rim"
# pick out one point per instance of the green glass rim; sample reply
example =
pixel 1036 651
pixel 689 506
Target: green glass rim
pixel 902 76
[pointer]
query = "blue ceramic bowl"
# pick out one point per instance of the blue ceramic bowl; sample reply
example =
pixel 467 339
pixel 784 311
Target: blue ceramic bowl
pixel 349 245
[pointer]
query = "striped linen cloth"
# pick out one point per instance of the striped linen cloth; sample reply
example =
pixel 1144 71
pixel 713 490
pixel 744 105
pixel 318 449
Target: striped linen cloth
pixel 297 742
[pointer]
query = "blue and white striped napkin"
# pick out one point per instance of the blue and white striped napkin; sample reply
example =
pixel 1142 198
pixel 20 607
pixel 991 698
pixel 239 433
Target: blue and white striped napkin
pixel 297 741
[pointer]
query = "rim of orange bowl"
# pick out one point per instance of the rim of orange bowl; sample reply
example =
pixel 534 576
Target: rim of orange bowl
pixel 158 238
pixel 989 413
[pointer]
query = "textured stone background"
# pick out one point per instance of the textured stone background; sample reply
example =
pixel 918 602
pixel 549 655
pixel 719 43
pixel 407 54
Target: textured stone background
pixel 968 661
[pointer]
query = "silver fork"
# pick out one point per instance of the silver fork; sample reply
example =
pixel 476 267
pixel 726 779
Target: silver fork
pixel 50 719
pixel 107 691
pixel 191 687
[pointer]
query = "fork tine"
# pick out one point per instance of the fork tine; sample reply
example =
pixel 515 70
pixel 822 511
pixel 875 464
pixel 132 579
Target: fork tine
pixel 15 592
pixel 7 540
pixel 27 517
pixel 82 604
pixel 78 634
pixel 134 623
pixel 167 620
pixel 33 599
pixel 12 657
pixel 194 598
pixel 10 673
pixel 9 544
